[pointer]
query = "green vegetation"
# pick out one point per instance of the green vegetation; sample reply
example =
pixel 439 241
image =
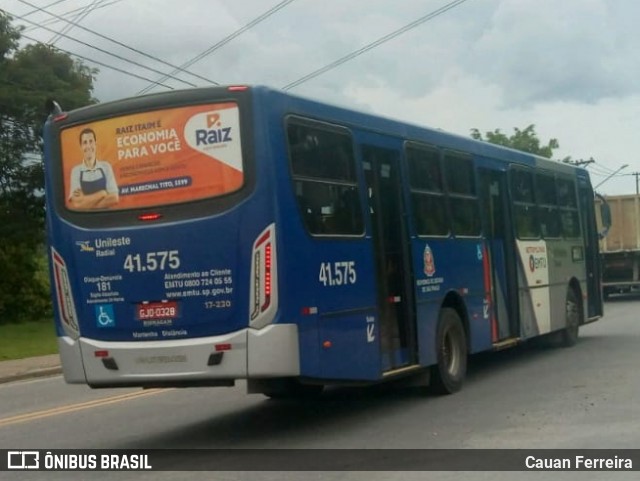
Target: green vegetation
pixel 28 339
pixel 525 140
pixel 29 76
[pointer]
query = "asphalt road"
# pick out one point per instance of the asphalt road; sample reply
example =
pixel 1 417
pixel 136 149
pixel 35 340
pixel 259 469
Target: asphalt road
pixel 530 397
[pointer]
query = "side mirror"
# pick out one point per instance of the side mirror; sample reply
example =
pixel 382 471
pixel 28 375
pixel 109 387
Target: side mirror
pixel 605 216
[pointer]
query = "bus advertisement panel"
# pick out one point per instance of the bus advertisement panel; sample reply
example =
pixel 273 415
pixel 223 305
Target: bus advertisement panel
pixel 153 158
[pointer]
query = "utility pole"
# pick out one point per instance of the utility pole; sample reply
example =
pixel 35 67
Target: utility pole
pixel 637 174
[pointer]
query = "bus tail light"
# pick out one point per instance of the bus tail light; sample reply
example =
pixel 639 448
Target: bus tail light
pixel 64 297
pixel 264 290
pixel 149 216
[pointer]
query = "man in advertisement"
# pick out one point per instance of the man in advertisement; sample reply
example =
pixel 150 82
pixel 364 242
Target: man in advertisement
pixel 93 184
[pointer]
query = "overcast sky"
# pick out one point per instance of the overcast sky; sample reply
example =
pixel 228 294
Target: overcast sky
pixel 571 67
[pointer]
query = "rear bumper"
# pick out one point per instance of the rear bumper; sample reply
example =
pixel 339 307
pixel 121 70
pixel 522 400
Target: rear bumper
pixel 269 352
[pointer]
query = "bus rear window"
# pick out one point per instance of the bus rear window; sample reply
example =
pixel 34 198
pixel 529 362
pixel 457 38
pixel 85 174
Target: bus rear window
pixel 153 158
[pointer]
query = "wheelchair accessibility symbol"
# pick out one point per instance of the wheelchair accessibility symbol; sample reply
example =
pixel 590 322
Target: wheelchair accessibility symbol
pixel 105 316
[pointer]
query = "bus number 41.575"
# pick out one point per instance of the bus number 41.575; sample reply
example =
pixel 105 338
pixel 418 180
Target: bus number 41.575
pixel 153 261
pixel 337 273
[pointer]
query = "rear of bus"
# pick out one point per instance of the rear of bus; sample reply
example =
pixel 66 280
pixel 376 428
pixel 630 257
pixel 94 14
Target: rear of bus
pixel 162 243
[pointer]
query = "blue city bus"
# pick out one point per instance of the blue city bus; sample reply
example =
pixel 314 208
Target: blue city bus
pixel 206 236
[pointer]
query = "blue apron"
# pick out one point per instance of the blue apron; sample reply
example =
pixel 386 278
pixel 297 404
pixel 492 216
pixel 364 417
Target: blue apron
pixel 92 186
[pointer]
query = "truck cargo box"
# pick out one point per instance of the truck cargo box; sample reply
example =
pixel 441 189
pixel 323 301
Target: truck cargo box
pixel 620 248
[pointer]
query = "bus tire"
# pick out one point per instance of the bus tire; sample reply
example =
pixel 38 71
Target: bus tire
pixel 451 351
pixel 568 336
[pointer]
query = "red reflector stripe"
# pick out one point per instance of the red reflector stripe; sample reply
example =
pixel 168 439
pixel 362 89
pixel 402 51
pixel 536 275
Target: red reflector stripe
pixel 223 347
pixel 237 88
pixel 488 288
pixel 101 353
pixel 263 239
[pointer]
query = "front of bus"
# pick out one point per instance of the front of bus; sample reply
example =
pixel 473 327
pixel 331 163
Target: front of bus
pixel 162 245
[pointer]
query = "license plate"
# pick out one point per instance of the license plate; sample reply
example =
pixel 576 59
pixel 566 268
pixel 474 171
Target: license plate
pixel 157 310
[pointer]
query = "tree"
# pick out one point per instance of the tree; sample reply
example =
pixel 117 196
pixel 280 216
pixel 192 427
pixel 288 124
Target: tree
pixel 525 140
pixel 28 77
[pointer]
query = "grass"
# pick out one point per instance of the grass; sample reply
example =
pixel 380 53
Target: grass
pixel 28 339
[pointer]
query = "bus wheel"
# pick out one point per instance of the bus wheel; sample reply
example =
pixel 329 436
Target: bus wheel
pixel 451 345
pixel 293 389
pixel 569 335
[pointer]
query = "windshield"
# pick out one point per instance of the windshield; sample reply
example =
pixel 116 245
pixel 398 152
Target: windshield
pixel 153 158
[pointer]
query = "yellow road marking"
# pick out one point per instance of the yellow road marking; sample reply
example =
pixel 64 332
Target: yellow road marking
pixel 78 407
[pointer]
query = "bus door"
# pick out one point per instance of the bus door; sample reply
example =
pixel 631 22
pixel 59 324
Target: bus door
pixel 392 259
pixel 502 253
pixel 591 254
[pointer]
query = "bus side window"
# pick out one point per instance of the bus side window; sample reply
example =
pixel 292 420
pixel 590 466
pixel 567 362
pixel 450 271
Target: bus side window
pixel 525 211
pixel 322 165
pixel 347 212
pixel 568 204
pixel 547 205
pixel 526 221
pixel 465 216
pixel 428 201
pixel 430 214
pixel 461 187
pixel 310 217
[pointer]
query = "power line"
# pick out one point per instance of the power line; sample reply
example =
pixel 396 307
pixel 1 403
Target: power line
pixel 225 40
pixel 127 47
pixel 594 168
pixel 102 64
pixel 105 51
pixel 374 44
pixel 597 168
pixel 597 174
pixel 140 52
pixel 46 6
pixel 23 86
pixel 78 18
pixel 68 13
pixel 612 175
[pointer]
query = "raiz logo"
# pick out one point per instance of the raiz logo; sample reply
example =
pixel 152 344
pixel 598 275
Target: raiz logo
pixel 23 460
pixel 214 133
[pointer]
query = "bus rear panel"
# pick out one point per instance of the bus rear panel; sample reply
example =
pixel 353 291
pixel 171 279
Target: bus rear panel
pixel 161 286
